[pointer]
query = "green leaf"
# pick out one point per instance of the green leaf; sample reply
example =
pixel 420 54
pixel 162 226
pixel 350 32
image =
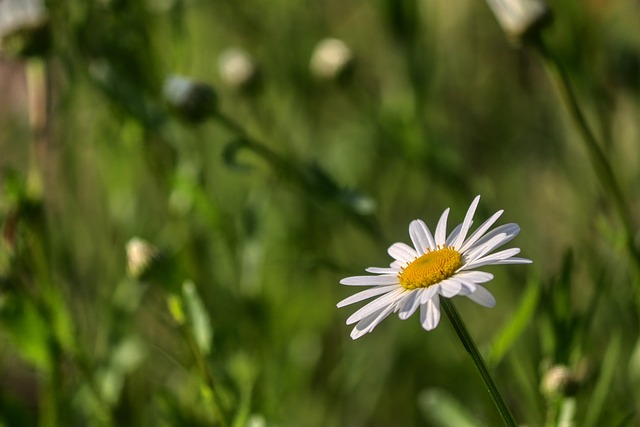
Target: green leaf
pixel 174 303
pixel 602 388
pixel 28 331
pixel 440 409
pixel 60 320
pixel 125 357
pixel 519 321
pixel 198 316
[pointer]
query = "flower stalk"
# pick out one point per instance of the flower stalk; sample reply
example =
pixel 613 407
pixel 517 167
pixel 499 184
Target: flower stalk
pixel 601 164
pixel 472 349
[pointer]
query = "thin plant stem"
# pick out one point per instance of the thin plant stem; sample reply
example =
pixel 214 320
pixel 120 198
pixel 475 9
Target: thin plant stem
pixel 599 160
pixel 36 77
pixel 304 178
pixel 472 349
pixel 205 372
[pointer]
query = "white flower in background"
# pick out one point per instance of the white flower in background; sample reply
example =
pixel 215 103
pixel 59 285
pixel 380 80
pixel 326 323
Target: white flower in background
pixel 330 59
pixel 17 15
pixel 140 255
pixel 435 266
pixel 518 18
pixel 237 68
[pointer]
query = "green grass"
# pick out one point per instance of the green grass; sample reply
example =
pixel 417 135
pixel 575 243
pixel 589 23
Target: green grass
pixel 259 209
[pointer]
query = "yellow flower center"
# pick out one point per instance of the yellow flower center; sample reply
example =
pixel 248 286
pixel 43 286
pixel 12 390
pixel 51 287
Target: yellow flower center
pixel 430 268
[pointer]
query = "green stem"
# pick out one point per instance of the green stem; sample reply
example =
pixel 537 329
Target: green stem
pixel 599 160
pixel 203 369
pixel 306 179
pixel 471 348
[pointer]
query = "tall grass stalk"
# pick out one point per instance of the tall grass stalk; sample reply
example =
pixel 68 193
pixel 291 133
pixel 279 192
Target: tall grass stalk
pixel 472 349
pixel 599 160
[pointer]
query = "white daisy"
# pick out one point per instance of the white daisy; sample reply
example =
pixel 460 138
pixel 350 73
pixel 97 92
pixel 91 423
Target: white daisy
pixel 435 265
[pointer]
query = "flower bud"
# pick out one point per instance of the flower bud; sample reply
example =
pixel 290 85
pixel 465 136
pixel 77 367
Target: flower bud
pixel 237 69
pixel 140 256
pixel 192 100
pixel 359 202
pixel 520 18
pixel 24 29
pixel 332 59
pixel 559 381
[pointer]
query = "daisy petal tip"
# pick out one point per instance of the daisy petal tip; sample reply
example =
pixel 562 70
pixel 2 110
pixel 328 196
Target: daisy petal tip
pixel 404 315
pixel 355 334
pixel 489 302
pixel 483 297
pixel 431 325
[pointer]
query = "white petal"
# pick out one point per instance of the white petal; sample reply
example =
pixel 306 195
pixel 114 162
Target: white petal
pixel 430 240
pixel 382 270
pixel 492 259
pixel 429 293
pixel 453 235
pixel 468 286
pixel 508 232
pixel 419 237
pixel 402 252
pixel 430 314
pixel 483 297
pixel 357 332
pixel 511 230
pixel 480 250
pixel 480 231
pixel 449 288
pixel 514 260
pixel 387 299
pixel 381 316
pixel 441 228
pixel 366 294
pixel 397 265
pixel 474 276
pixel 367 324
pixel 504 254
pixel 410 304
pixel 466 224
pixel 385 279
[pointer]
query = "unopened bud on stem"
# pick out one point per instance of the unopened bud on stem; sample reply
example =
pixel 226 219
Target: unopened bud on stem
pixel 140 256
pixel 331 59
pixel 559 381
pixel 519 18
pixel 24 27
pixel 237 69
pixel 193 100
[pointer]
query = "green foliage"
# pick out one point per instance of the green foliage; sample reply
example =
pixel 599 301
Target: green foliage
pixel 442 410
pixel 249 197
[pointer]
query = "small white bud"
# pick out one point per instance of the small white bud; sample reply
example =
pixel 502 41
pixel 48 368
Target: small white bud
pixel 237 68
pixel 193 100
pixel 558 381
pixel 331 58
pixel 519 17
pixel 140 254
pixel 23 26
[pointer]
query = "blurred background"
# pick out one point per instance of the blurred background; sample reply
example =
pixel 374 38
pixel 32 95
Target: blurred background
pixel 183 183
